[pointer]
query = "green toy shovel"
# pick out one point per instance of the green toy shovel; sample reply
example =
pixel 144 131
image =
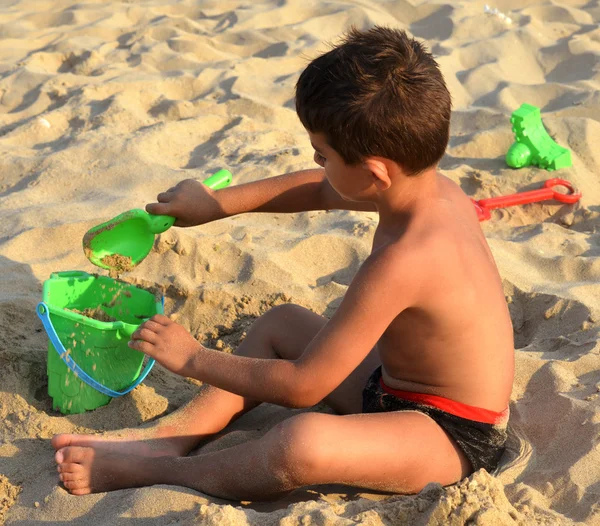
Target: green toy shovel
pixel 123 242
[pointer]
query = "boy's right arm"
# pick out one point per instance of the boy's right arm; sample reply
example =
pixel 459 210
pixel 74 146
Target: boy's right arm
pixel 192 203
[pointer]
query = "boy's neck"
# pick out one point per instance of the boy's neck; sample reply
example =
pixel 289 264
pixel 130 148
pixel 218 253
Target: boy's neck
pixel 406 196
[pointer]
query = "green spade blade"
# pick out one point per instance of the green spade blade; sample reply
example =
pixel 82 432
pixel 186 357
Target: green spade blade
pixel 123 242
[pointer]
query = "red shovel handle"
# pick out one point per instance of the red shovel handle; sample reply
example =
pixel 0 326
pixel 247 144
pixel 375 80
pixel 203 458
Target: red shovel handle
pixel 483 206
pixel 542 194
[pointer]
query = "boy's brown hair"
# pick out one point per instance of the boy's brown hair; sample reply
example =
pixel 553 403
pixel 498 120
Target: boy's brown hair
pixel 378 93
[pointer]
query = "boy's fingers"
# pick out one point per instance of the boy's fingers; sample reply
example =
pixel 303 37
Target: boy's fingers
pixel 142 346
pixel 165 197
pixel 152 325
pixel 161 319
pixel 144 334
pixel 158 209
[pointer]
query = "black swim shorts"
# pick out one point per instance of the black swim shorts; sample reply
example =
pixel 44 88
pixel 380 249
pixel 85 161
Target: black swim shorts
pixel 482 440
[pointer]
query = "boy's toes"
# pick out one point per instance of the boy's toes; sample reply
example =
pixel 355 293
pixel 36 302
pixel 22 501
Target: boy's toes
pixel 70 468
pixel 72 485
pixel 82 491
pixel 62 440
pixel 69 476
pixel 73 455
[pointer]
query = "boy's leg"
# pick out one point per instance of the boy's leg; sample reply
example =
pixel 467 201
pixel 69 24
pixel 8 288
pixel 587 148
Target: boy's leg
pixel 283 332
pixel 399 452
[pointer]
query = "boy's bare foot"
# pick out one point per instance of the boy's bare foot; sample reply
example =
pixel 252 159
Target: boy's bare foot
pixel 149 442
pixel 86 470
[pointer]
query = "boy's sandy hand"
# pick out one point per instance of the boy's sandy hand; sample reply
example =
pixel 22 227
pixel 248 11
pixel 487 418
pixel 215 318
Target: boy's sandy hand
pixel 168 343
pixel 190 202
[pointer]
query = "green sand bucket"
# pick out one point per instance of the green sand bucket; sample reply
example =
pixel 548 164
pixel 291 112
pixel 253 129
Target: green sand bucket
pixel 89 361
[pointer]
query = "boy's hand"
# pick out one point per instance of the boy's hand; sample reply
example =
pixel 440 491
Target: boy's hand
pixel 168 343
pixel 190 202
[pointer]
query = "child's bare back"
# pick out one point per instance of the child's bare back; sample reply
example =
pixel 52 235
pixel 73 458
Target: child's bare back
pixel 455 339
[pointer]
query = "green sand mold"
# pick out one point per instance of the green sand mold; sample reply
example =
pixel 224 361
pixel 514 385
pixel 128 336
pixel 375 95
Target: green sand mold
pixel 533 145
pixel 98 347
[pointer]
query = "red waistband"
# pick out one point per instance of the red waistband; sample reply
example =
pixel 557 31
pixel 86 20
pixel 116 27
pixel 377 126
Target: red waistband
pixel 450 406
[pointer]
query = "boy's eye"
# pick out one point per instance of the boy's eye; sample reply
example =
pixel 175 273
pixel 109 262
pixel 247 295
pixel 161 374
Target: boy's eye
pixel 319 159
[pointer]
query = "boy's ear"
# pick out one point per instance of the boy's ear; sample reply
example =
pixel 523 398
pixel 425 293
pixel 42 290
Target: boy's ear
pixel 379 171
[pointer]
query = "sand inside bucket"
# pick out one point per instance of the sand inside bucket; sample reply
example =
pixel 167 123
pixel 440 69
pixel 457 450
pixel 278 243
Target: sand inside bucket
pixel 95 313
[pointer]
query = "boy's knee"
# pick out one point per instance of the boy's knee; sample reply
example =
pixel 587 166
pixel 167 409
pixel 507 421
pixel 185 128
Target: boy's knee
pixel 298 456
pixel 275 320
pixel 265 326
pixel 286 311
pixel 275 317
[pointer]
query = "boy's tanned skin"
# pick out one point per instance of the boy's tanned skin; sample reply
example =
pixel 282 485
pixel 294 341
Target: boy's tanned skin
pixel 427 305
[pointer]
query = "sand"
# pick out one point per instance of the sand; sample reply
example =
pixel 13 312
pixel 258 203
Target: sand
pixel 105 104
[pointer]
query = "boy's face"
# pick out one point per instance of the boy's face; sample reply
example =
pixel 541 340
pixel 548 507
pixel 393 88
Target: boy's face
pixel 351 182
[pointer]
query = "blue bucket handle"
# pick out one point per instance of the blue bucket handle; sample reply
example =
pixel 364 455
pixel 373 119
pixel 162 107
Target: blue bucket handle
pixel 44 315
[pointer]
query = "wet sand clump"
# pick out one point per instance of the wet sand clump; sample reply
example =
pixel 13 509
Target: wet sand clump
pixel 117 264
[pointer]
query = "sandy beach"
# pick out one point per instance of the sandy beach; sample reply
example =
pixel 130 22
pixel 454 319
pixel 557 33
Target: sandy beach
pixel 105 104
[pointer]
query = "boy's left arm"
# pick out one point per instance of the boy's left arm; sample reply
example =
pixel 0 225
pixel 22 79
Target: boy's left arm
pixel 384 286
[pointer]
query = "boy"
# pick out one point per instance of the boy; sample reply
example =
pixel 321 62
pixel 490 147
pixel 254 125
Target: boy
pixel 417 360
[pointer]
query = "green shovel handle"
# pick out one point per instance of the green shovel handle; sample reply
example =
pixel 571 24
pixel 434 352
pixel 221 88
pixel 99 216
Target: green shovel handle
pixel 218 180
pixel 221 179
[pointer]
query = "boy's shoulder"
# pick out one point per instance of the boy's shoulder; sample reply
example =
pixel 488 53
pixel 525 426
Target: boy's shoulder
pixel 444 229
pixel 444 219
pixel 447 231
pixel 401 260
